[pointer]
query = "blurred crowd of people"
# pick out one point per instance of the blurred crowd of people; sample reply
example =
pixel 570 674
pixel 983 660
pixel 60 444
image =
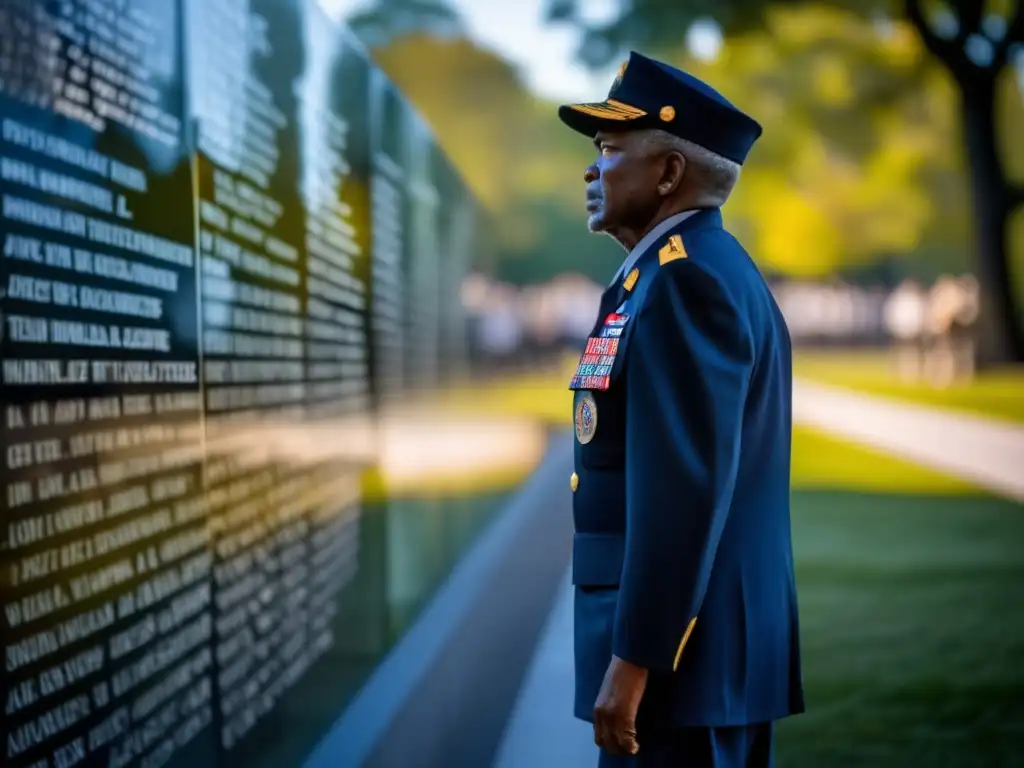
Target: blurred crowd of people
pixel 510 324
pixel 932 329
pixel 928 327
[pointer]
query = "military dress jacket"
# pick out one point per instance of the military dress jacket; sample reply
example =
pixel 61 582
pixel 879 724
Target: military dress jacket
pixel 682 553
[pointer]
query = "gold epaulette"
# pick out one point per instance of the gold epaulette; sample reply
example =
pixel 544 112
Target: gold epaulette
pixel 672 250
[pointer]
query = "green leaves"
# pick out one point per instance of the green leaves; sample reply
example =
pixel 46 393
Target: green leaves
pixel 656 26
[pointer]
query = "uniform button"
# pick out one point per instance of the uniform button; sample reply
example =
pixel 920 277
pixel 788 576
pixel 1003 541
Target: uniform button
pixel 574 482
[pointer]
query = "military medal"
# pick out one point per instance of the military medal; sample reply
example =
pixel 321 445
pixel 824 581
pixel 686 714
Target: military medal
pixel 586 418
pixel 613 325
pixel 594 370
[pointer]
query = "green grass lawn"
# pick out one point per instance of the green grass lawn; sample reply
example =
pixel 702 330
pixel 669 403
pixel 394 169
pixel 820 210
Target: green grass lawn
pixel 912 632
pixel 997 393
pixel 821 462
pixel 911 588
pixel 543 395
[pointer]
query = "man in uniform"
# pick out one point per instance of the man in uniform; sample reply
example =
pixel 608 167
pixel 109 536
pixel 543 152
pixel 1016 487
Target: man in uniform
pixel 686 629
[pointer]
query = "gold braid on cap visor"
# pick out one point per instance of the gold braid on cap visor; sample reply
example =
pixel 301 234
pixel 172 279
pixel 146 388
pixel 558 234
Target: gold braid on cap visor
pixel 610 110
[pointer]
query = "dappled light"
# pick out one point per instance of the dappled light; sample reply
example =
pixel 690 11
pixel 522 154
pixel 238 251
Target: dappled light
pixel 861 170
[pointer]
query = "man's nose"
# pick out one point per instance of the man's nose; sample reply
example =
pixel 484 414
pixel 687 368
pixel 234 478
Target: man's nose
pixel 590 174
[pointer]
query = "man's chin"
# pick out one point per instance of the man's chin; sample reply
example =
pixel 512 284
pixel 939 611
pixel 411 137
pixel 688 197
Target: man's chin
pixel 596 222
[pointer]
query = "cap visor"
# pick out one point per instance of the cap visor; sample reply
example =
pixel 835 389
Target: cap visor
pixel 589 119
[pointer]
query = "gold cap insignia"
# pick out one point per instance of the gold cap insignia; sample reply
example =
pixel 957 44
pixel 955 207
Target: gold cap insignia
pixel 672 250
pixel 667 114
pixel 619 74
pixel 631 279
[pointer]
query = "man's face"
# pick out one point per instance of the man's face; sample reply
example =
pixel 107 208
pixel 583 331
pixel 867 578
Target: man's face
pixel 622 184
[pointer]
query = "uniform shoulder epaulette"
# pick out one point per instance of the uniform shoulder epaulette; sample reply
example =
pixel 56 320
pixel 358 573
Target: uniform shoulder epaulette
pixel 672 250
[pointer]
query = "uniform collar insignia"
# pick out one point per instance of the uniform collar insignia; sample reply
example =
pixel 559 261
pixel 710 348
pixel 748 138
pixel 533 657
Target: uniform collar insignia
pixel 672 250
pixel 631 279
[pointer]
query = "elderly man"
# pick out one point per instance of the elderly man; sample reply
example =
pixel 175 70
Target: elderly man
pixel 686 627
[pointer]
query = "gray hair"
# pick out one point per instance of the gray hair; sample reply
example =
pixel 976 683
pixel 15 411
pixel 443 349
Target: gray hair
pixel 714 175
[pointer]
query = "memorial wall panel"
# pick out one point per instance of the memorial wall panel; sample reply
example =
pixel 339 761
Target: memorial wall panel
pixel 225 239
pixel 390 152
pixel 106 560
pixel 455 222
pixel 282 240
pixel 422 259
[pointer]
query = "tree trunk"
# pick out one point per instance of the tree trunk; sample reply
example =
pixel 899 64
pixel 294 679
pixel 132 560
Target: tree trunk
pixel 1000 332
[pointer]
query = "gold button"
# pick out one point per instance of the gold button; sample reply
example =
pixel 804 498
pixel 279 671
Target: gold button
pixel 574 482
pixel 667 114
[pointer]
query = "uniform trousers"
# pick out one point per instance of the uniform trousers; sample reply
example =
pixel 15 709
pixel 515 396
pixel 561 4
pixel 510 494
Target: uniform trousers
pixel 741 746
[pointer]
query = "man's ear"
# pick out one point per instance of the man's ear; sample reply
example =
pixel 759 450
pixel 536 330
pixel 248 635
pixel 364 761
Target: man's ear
pixel 672 174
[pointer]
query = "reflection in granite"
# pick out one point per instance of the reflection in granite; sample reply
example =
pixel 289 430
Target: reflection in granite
pixel 209 313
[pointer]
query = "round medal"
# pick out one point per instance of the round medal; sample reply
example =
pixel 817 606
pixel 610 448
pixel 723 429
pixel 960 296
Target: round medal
pixel 586 418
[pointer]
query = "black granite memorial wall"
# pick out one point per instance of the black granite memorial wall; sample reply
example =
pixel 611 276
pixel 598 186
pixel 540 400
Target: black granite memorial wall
pixel 226 242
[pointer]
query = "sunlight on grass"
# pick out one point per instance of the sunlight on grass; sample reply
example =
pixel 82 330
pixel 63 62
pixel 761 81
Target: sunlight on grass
pixel 470 484
pixel 472 438
pixel 822 462
pixel 998 393
pixel 543 396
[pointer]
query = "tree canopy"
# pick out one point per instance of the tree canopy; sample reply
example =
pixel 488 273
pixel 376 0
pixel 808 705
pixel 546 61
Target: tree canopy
pixel 858 166
pixel 857 132
pixel 982 31
pixel 975 41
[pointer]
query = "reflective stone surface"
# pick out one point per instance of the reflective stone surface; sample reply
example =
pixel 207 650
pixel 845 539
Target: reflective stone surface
pixel 228 244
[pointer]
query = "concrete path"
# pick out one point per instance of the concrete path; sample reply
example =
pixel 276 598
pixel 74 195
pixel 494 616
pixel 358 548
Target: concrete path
pixel 542 733
pixel 985 451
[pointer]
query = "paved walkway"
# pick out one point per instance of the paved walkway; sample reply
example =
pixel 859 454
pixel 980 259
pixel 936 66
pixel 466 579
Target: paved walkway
pixel 987 452
pixel 542 732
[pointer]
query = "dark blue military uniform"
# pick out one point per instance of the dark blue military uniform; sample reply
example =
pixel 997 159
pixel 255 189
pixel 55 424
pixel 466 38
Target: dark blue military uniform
pixel 682 557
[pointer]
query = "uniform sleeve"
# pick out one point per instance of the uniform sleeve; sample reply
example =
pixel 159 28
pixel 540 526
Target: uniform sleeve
pixel 688 370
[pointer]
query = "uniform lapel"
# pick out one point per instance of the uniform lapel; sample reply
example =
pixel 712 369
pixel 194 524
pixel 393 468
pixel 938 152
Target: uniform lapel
pixel 610 299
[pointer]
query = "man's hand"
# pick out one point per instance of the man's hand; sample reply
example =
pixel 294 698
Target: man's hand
pixel 616 707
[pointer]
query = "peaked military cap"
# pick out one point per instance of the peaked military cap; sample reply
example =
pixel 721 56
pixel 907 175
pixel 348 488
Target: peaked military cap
pixel 651 94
